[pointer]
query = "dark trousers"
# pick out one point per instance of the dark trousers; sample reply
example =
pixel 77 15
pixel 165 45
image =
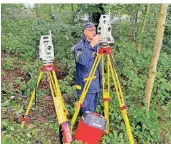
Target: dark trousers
pixel 90 102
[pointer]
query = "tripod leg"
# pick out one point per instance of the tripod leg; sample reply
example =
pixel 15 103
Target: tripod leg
pixel 61 116
pixel 86 87
pixel 103 80
pixel 105 95
pixel 57 100
pixel 59 92
pixel 106 110
pixel 121 101
pixel 32 98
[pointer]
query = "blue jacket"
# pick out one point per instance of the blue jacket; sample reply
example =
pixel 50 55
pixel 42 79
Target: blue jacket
pixel 85 55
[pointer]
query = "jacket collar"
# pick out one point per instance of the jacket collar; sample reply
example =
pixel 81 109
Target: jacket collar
pixel 86 42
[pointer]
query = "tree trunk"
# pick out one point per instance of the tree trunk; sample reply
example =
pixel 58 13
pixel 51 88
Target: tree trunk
pixel 96 15
pixel 156 53
pixel 36 8
pixel 147 9
pixel 136 22
pixel 72 8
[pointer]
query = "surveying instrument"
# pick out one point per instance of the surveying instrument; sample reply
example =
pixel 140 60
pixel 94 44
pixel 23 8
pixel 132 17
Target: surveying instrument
pixel 46 53
pixel 105 51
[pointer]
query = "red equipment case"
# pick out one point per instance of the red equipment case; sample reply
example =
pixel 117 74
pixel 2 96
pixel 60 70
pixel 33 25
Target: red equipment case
pixel 90 128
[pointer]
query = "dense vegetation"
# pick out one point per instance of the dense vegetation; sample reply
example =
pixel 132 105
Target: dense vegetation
pixel 21 31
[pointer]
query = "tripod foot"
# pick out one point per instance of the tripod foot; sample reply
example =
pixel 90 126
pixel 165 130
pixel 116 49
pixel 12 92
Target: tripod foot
pixel 25 119
pixel 66 132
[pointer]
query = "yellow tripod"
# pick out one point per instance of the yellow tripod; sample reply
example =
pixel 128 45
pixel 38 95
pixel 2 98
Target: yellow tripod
pixel 106 50
pixel 60 109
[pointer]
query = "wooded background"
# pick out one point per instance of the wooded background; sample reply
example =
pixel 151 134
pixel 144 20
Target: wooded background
pixel 142 51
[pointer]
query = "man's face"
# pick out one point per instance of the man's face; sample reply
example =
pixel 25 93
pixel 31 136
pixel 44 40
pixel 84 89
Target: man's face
pixel 90 32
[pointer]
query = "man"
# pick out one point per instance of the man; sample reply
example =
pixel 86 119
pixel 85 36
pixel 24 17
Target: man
pixel 85 53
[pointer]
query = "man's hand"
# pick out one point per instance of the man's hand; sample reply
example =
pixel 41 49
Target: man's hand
pixel 96 40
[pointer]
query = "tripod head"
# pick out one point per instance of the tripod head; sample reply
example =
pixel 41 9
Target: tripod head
pixel 46 50
pixel 104 29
